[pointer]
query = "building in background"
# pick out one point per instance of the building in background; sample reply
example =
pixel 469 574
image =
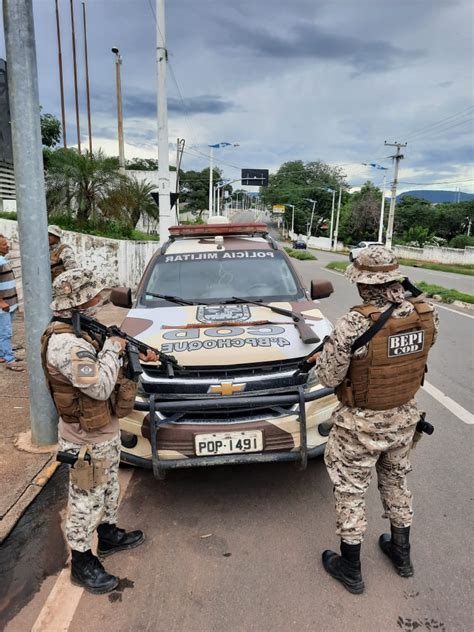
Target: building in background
pixel 7 179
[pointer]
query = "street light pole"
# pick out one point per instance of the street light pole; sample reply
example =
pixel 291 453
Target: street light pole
pixel 31 205
pixel 314 202
pixel 336 229
pixel 211 166
pixel 118 85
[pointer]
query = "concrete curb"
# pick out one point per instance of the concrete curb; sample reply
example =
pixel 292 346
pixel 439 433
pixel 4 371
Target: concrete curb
pixel 30 492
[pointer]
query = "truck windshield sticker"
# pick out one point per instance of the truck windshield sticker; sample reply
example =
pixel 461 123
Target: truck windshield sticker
pixel 404 344
pixel 222 313
pixel 220 256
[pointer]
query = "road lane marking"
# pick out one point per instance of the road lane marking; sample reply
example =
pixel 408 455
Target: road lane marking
pixel 453 407
pixel 63 600
pixel 455 311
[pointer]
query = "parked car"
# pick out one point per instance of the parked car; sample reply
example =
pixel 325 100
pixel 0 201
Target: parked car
pixel 299 244
pixel 354 253
pixel 238 394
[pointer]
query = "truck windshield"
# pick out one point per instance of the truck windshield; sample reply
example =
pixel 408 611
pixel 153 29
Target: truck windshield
pixel 221 275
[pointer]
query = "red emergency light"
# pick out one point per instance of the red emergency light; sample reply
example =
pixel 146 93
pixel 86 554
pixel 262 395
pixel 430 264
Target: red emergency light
pixel 211 230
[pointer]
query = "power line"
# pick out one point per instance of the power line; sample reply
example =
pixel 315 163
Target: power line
pixel 441 122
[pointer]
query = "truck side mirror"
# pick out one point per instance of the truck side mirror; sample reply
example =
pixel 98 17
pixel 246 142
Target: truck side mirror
pixel 321 288
pixel 121 297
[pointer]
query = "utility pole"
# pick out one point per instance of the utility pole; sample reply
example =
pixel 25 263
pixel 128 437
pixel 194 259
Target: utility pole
pixel 336 229
pixel 211 190
pixel 88 94
pixel 162 104
pixel 31 205
pixel 180 143
pixel 382 209
pixel 332 218
pixel 118 86
pixel 76 90
pixel 61 78
pixel 393 201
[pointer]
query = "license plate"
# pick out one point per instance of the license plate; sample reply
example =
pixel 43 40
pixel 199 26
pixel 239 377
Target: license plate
pixel 228 442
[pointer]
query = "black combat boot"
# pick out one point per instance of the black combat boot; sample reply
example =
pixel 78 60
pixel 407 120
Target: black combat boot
pixel 397 548
pixel 113 539
pixel 88 572
pixel 345 567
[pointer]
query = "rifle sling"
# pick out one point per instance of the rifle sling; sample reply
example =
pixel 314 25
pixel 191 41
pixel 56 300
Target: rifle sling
pixel 373 329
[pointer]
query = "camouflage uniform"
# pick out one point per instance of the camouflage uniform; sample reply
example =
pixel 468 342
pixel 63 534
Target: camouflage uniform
pixel 86 508
pixel 65 258
pixel 361 438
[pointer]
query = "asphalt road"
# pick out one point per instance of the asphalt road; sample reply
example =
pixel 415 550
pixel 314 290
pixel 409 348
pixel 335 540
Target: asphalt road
pixel 238 548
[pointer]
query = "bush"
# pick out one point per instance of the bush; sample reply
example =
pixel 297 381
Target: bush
pixel 302 255
pixel 461 241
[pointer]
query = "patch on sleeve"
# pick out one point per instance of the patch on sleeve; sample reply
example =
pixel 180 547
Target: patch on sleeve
pixel 84 367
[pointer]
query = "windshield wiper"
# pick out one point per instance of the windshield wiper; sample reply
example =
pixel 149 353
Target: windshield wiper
pixel 172 299
pixel 306 333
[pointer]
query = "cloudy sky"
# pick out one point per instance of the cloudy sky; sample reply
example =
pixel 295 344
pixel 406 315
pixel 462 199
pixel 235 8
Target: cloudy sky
pixel 287 80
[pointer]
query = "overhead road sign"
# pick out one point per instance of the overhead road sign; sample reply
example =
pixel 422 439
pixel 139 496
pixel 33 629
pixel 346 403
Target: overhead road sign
pixel 255 177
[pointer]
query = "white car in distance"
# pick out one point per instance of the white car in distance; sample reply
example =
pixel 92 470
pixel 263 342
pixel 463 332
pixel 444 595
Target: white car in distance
pixel 355 252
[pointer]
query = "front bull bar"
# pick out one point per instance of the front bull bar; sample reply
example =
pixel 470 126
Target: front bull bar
pixel 301 397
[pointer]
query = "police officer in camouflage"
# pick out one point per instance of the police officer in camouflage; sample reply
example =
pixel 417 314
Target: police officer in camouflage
pixel 85 379
pixel 61 255
pixel 374 424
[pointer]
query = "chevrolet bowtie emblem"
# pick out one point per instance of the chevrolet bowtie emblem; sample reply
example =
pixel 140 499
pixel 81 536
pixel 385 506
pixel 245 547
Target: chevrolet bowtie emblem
pixel 226 388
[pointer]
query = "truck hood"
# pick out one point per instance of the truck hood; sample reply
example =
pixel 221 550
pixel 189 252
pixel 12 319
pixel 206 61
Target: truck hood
pixel 218 335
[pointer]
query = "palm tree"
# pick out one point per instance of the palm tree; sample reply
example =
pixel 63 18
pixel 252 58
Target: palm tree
pixel 131 199
pixel 85 180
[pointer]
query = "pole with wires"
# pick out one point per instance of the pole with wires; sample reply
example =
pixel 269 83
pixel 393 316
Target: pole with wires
pixel 382 209
pixel 393 200
pixel 211 202
pixel 336 229
pixel 162 105
pixel 88 94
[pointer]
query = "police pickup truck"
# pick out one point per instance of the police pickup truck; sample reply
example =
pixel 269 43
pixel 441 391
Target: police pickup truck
pixel 226 302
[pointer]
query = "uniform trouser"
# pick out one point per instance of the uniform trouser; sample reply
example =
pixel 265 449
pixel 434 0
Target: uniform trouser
pixel 88 508
pixel 350 457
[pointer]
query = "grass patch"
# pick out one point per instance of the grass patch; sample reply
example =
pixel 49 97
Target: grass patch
pixel 441 267
pixel 447 296
pixel 302 255
pixel 99 228
pixel 339 266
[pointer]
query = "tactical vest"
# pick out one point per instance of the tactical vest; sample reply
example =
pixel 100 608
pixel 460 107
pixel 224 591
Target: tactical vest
pixel 57 264
pixel 72 404
pixel 393 369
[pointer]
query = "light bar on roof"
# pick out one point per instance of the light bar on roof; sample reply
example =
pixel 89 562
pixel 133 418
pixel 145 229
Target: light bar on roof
pixel 198 230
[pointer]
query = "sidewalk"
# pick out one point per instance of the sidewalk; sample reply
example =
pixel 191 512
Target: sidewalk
pixel 23 474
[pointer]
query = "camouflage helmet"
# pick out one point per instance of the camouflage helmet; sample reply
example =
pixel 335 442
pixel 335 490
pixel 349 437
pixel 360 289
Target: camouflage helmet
pixel 73 288
pixel 374 265
pixel 55 230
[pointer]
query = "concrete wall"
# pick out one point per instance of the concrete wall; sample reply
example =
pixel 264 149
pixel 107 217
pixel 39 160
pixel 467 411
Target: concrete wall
pixel 118 262
pixel 437 254
pixel 322 243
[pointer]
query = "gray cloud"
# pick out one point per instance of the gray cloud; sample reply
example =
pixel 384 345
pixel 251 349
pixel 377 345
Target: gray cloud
pixel 309 41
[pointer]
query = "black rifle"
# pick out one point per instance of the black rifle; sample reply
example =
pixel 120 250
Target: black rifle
pixel 70 459
pixel 409 287
pixel 81 322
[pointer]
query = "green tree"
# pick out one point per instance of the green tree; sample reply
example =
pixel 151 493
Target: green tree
pixel 143 164
pixel 295 182
pixel 194 189
pixel 360 215
pixel 50 130
pixel 80 182
pixel 129 201
pixel 417 235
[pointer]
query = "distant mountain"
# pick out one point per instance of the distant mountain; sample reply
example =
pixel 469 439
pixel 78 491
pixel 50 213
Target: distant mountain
pixel 438 197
